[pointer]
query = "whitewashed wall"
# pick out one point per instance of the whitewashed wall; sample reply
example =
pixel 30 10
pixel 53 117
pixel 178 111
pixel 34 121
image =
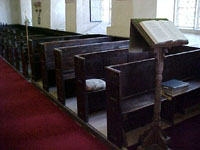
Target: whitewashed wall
pixel 10 11
pixel 58 14
pixel 124 10
pixel 77 13
pixel 83 17
pixel 78 16
pixel 5 11
pixel 165 9
pixel 15 11
pixel 45 14
pixel 26 6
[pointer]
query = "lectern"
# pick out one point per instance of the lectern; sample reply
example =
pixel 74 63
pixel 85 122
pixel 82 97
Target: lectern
pixel 154 138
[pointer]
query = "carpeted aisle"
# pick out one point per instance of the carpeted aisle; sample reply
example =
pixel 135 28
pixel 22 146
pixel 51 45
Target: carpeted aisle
pixel 29 121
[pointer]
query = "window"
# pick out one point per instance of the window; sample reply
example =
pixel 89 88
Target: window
pixel 95 10
pixel 187 14
pixel 100 11
pixel 107 8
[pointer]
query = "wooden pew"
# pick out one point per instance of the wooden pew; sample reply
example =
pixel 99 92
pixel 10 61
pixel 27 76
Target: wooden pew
pixel 1 39
pixel 10 36
pixel 35 51
pixel 16 49
pixel 64 61
pixel 13 45
pixel 4 42
pixel 130 91
pixel 4 45
pixel 91 66
pixel 23 51
pixel 85 69
pixel 48 60
pixel 18 29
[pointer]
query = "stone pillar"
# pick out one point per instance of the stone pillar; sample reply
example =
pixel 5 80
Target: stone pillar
pixel 71 15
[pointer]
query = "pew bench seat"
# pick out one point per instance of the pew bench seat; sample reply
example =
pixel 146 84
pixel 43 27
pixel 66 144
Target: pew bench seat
pixel 68 74
pixel 95 84
pixel 138 102
pixel 181 101
pixel 194 84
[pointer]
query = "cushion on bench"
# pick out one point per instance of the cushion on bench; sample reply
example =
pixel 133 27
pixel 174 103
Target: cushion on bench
pixel 95 84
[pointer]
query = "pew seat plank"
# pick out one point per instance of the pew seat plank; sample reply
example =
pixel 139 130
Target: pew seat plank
pixel 138 102
pixel 194 84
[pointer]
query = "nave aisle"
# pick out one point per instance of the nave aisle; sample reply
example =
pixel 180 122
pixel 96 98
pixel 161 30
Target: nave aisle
pixel 29 121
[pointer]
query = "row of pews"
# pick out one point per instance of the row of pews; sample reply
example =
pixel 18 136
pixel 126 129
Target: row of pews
pixel 70 61
pixel 14 45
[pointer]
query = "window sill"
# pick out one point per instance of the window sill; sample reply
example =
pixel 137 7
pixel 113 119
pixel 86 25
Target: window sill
pixel 190 31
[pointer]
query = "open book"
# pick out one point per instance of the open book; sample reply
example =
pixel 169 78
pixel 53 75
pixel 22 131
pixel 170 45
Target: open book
pixel 163 31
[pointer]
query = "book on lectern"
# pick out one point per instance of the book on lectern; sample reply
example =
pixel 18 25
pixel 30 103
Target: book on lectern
pixel 163 31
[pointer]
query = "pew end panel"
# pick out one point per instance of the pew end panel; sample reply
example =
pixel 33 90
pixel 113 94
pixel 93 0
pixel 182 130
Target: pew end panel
pixel 115 130
pixel 47 70
pixel 82 105
pixel 59 76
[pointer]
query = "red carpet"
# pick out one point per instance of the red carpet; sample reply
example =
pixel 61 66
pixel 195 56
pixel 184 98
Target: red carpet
pixel 29 121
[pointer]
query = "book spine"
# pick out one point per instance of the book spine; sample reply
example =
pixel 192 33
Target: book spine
pixel 166 96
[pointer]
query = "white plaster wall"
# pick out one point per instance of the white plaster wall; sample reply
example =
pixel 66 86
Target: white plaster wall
pixel 165 9
pixel 5 12
pixel 25 6
pixel 58 14
pixel 15 11
pixel 45 14
pixel 144 8
pixel 124 10
pixel 83 17
pixel 78 17
pixel 10 11
pixel 71 15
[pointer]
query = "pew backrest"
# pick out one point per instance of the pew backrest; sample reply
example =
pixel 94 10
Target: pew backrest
pixel 65 56
pixel 34 42
pixel 91 65
pixel 139 77
pixel 48 47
